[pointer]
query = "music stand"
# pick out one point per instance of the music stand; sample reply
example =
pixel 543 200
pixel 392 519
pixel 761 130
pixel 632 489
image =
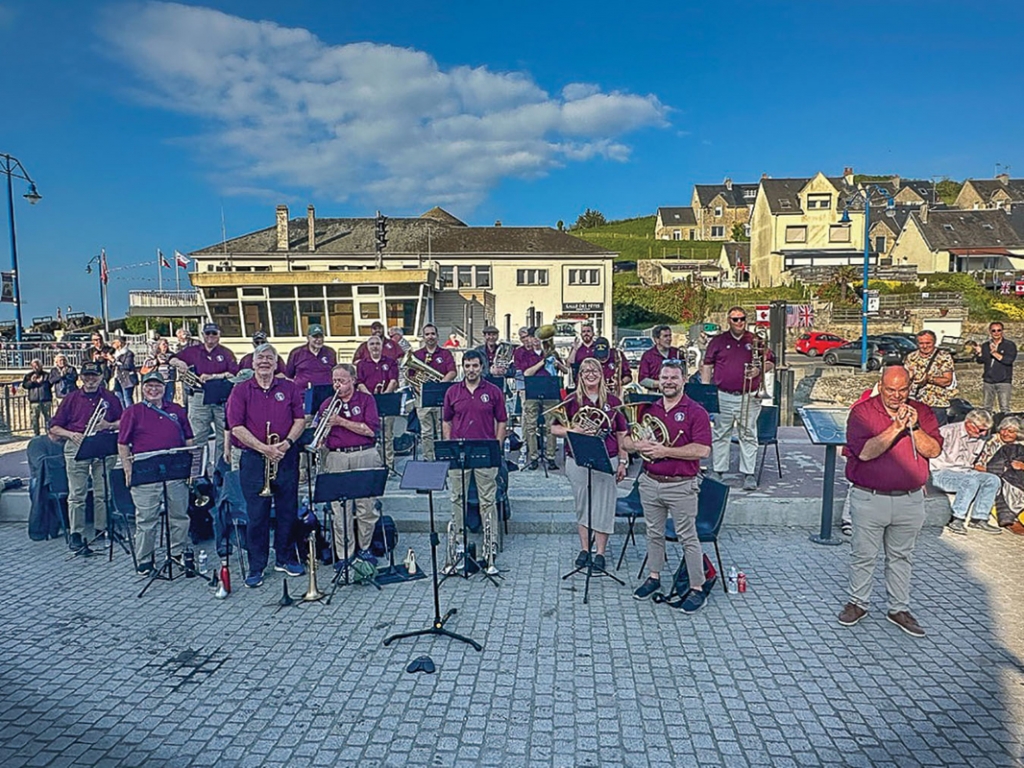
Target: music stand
pixel 462 455
pixel 589 451
pixel 345 487
pixel 216 391
pixel 541 389
pixel 160 467
pixel 315 395
pixel 389 404
pixel 427 477
pixel 432 396
pixel 705 395
pixel 99 447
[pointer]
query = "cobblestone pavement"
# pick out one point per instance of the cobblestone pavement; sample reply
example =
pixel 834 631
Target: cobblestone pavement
pixel 92 675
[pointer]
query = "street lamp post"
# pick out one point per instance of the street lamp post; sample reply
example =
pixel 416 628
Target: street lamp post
pixel 13 168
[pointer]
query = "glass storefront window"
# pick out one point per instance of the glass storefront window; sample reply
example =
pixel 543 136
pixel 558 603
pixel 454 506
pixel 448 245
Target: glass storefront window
pixel 342 320
pixel 225 314
pixel 283 314
pixel 255 317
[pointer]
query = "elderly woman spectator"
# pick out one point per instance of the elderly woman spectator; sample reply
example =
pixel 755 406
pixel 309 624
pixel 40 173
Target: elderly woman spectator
pixel 1003 455
pixel 953 471
pixel 125 376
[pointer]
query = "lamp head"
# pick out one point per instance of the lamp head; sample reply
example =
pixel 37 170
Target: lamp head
pixel 846 216
pixel 32 195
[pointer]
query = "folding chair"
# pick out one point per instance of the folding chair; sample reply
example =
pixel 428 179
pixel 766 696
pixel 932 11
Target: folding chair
pixel 629 507
pixel 767 434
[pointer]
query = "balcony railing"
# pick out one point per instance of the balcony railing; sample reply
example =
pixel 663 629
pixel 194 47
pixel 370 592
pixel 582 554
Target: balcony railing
pixel 170 299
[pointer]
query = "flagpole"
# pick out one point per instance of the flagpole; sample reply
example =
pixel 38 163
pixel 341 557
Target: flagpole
pixel 104 276
pixel 159 272
pixel 177 272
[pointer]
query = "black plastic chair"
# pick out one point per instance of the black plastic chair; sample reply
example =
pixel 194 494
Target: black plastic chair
pixel 767 434
pixel 629 507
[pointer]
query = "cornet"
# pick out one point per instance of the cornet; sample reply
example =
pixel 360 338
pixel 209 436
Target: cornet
pixel 269 466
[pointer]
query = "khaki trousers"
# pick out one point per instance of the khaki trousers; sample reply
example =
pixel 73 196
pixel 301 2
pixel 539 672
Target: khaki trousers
pixel 679 499
pixel 205 418
pixel 365 512
pixel 486 491
pixel 430 425
pixel 729 407
pixel 531 409
pixel 387 443
pixel 79 474
pixel 148 501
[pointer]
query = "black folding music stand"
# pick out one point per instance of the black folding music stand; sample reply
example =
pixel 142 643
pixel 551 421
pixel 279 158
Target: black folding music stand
pixel 589 452
pixel 542 389
pixel 345 487
pixel 99 447
pixel 163 467
pixel 462 455
pixel 315 395
pixel 216 391
pixel 388 404
pixel 706 395
pixel 427 477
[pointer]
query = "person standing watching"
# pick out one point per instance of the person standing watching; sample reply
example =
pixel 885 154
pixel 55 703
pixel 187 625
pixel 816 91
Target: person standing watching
pixel 40 396
pixel 998 357
pixel 668 483
pixel 69 423
pixel 474 409
pixel 377 374
pixel 889 441
pixel 154 425
pixel 931 376
pixel 728 363
pixel 209 361
pixel 651 360
pixel 63 377
pixel 266 418
pixel 125 377
pixel 442 361
pixel 311 364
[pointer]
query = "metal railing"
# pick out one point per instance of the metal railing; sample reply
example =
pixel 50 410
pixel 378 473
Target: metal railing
pixel 170 299
pixel 16 411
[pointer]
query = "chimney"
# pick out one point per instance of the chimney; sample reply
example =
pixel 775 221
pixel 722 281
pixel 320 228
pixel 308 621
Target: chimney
pixel 728 183
pixel 924 213
pixel 282 227
pixel 896 182
pixel 848 175
pixel 764 175
pixel 1003 178
pixel 311 222
pixel 497 223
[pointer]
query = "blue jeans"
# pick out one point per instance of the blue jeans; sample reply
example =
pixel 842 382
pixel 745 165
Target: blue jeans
pixel 124 394
pixel 970 486
pixel 286 504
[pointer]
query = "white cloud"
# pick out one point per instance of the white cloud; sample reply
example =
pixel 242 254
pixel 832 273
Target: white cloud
pixel 282 109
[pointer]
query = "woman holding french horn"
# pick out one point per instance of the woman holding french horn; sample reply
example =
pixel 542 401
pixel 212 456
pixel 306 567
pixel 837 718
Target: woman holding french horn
pixel 592 411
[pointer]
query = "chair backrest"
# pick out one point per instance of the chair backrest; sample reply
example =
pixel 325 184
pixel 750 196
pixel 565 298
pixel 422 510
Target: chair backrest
pixel 768 425
pixel 629 505
pixel 711 502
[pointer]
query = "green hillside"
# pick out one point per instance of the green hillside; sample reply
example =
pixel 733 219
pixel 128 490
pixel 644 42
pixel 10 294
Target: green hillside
pixel 633 239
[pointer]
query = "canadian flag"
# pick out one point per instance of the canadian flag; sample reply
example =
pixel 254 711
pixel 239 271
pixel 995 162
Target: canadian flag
pixel 180 259
pixel 762 315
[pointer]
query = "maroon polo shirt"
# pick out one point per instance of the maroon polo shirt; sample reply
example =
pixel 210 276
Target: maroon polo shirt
pixel 473 414
pixel 390 349
pixel 145 430
pixel 651 360
pixel 729 355
pixel 217 360
pixel 687 423
pixel 359 407
pixel 526 358
pixel 618 419
pixel 246 362
pixel 896 469
pixel 305 368
pixel 251 406
pixel 608 368
pixel 77 408
pixel 370 373
pixel 582 353
pixel 440 359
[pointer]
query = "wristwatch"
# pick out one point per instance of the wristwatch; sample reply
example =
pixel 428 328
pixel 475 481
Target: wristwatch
pixel 289 441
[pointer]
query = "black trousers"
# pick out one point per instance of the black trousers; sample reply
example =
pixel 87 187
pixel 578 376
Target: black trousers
pixel 285 499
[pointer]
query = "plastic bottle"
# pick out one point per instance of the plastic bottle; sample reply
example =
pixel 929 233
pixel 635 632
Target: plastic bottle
pixel 204 566
pixel 731 586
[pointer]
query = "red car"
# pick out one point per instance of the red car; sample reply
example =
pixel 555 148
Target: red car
pixel 816 343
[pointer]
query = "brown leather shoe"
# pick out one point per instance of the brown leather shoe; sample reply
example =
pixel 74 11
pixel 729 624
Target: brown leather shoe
pixel 1016 527
pixel 907 623
pixel 851 614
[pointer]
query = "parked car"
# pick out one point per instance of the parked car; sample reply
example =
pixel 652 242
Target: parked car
pixel 906 340
pixel 633 348
pixel 817 343
pixel 880 352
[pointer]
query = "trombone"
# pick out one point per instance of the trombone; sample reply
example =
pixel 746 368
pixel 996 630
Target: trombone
pixel 753 371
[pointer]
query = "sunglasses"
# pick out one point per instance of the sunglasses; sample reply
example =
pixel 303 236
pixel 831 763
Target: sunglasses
pixel 671 363
pixel 211 333
pixel 742 319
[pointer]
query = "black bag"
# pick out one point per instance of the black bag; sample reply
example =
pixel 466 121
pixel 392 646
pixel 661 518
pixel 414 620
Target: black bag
pixel 681 581
pixel 385 536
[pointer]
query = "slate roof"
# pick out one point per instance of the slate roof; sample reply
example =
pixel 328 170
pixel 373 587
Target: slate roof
pixel 436 232
pixel 895 222
pixel 737 252
pixel 923 187
pixel 677 217
pixel 781 194
pixel 988 187
pixel 970 229
pixel 733 197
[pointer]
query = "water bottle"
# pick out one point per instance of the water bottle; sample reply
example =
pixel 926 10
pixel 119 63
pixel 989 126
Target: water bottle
pixel 731 586
pixel 204 567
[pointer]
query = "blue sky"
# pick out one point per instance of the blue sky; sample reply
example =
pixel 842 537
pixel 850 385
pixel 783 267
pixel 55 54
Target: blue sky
pixel 141 122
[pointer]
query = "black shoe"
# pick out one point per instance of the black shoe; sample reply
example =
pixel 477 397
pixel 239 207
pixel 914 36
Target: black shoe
pixel 534 465
pixel 647 589
pixel 551 465
pixel 599 562
pixel 984 525
pixel 144 569
pixel 582 558
pixel 694 601
pixel 76 543
pixel 956 525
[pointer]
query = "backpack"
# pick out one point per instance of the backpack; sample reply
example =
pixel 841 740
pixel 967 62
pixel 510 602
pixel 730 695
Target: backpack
pixel 681 583
pixel 385 536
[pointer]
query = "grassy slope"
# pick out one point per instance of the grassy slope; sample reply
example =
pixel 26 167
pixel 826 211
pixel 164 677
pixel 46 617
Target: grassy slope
pixel 633 239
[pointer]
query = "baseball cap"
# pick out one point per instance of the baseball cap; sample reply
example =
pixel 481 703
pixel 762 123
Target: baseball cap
pixel 211 328
pixel 153 376
pixel 91 369
pixel 259 337
pixel 315 330
pixel 601 348
pixel 491 329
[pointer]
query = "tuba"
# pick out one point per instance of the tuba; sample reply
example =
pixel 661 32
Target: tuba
pixel 418 372
pixel 269 467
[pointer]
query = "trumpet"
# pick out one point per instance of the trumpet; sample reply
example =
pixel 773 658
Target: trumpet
pixel 323 426
pixel 419 372
pixel 189 378
pixel 98 415
pixel 269 466
pixel 313 592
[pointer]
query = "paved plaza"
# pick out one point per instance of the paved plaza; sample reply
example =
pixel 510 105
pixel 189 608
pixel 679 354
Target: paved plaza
pixel 93 675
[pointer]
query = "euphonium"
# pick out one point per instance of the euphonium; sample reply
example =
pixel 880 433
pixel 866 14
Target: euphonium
pixel 313 592
pixel 269 466
pixel 503 355
pixel 419 372
pixel 323 426
pixel 98 414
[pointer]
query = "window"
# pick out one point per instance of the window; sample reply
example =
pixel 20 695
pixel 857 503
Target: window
pixel 880 244
pixel 283 315
pixel 718 231
pixel 465 277
pixel 718 211
pixel 749 194
pixel 483 277
pixel 796 234
pixel 531 277
pixel 948 227
pixel 401 312
pixel 311 313
pixel 310 291
pixel 225 314
pixel 839 233
pixel 447 277
pixel 255 316
pixel 677 234
pixel 819 201
pixel 584 277
pixel 341 317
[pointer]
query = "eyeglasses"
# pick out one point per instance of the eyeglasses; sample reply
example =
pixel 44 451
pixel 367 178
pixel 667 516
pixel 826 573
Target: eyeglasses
pixel 741 319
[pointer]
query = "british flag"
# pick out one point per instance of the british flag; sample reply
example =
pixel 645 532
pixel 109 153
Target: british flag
pixel 806 314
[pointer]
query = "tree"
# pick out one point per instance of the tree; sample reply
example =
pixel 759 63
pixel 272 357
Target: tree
pixel 589 219
pixel 947 189
pixel 843 277
pixel 739 233
pixel 561 225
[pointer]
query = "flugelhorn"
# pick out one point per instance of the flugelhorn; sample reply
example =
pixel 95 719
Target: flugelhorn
pixel 269 465
pixel 189 378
